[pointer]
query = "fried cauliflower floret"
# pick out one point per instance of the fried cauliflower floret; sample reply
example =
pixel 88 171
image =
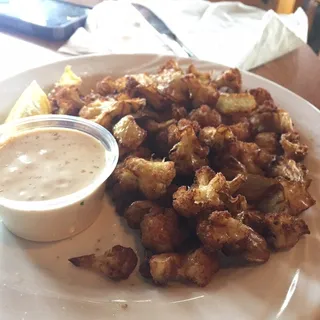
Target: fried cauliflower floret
pixel 273 200
pixel 218 139
pixel 230 103
pixel 268 141
pixel 161 231
pixel 268 118
pixel 221 231
pixel 164 267
pixel 235 205
pixel 289 169
pixel 153 177
pixel 206 117
pixel 137 210
pixel 154 98
pixel 106 86
pixel 153 126
pixel 231 79
pixel 185 123
pixel 165 87
pixel 116 264
pixel 253 219
pixel 203 77
pixel 124 85
pixel 229 166
pixel 205 194
pixel 252 157
pixel 178 112
pixel 66 100
pixel 123 180
pixel 197 267
pixel 104 112
pixel 93 96
pixel 296 195
pixel 201 93
pixel 241 130
pixel 283 230
pixel 261 95
pixel 292 147
pixel 188 154
pixel 207 136
pixel 128 134
pixel 290 196
pixel 169 82
pixel 256 187
pixel 168 137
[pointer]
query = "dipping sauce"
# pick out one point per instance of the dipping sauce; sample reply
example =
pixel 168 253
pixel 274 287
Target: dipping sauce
pixel 48 163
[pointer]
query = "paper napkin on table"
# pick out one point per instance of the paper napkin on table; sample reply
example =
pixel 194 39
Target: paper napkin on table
pixel 115 27
pixel 229 33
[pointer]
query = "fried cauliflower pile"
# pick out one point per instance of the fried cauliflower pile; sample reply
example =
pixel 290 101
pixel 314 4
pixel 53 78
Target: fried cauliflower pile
pixel 207 171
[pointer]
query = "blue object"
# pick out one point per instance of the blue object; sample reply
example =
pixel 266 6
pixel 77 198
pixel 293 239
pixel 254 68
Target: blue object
pixel 47 19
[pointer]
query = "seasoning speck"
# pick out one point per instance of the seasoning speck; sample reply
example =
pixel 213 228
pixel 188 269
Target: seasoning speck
pixel 124 306
pixel 81 203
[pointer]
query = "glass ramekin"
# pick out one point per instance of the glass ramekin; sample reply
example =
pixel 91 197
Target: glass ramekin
pixel 60 218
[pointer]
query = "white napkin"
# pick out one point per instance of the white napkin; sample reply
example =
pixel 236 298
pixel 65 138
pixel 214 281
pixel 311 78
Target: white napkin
pixel 228 33
pixel 115 27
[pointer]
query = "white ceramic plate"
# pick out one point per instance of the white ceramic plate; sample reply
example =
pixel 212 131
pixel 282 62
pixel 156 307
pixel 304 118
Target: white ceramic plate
pixel 38 283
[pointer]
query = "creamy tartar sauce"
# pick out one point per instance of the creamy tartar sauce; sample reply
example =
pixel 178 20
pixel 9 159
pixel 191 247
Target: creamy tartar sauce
pixel 48 163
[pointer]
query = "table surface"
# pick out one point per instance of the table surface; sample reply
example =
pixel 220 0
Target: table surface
pixel 299 71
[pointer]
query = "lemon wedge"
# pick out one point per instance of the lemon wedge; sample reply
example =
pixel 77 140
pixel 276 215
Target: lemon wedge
pixel 33 101
pixel 68 78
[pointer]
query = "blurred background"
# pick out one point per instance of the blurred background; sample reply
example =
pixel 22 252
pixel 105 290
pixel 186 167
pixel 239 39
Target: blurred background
pixel 311 7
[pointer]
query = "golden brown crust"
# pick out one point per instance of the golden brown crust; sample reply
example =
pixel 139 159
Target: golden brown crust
pixel 268 118
pixel 105 112
pixel 154 177
pixel 268 141
pixel 66 100
pixel 296 195
pixel 128 134
pixel 231 79
pixel 135 213
pixel 289 169
pixel 261 95
pixel 161 231
pixel 188 154
pixel 197 267
pixel 241 130
pixel 292 147
pixel 117 263
pixel 200 92
pixel 206 117
pixel 230 103
pixel 221 231
pixel 284 230
pixel 281 230
pixel 206 194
